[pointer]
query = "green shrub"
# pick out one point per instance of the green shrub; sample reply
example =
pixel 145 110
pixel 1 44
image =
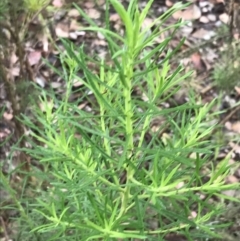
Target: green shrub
pixel 226 72
pixel 106 180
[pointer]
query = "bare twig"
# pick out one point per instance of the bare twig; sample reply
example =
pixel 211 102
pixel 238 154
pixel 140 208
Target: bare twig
pixel 15 38
pixel 4 228
pixel 233 111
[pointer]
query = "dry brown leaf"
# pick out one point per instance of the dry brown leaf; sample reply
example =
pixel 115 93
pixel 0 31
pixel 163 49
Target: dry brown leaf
pixel 100 35
pixel 7 116
pixel 147 22
pixel 93 13
pixel 57 3
pixel 187 30
pixel 77 83
pixel 80 33
pixel 193 214
pixel 180 185
pixel 82 105
pixel 4 130
pixel 237 89
pixel 212 17
pixel 56 85
pixel 13 58
pixel 74 25
pixel 203 4
pixel 99 42
pixel 191 13
pixel 204 19
pixel 89 4
pixel 47 105
pixel 211 55
pixel 203 34
pixel 34 57
pixel 42 37
pixel 6 33
pixel 74 13
pixel 198 62
pixel 224 17
pixel 228 125
pixel 229 193
pixel 15 71
pixel 236 127
pixel 73 35
pixel 169 3
pixel 62 30
pixel 114 17
pixel 101 2
pixel 232 179
pixel 40 81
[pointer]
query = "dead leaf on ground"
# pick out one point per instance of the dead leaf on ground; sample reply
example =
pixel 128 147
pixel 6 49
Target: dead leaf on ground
pixel 237 90
pixel 13 58
pixel 40 81
pixel 224 17
pixel 57 3
pixel 74 25
pixel 34 57
pixel 99 42
pixel 191 13
pixel 89 4
pixel 147 22
pixel 235 126
pixel 73 13
pixel 204 19
pixel 15 71
pixel 203 34
pixel 62 30
pixel 44 40
pixel 114 17
pixel 198 62
pixel 232 179
pixel 7 116
pixel 169 3
pixel 229 193
pixel 93 13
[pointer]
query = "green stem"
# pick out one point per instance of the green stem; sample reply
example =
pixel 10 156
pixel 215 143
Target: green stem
pixel 128 108
pixel 128 64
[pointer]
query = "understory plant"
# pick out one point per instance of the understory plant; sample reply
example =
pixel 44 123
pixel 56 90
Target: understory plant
pixel 226 76
pixel 108 174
